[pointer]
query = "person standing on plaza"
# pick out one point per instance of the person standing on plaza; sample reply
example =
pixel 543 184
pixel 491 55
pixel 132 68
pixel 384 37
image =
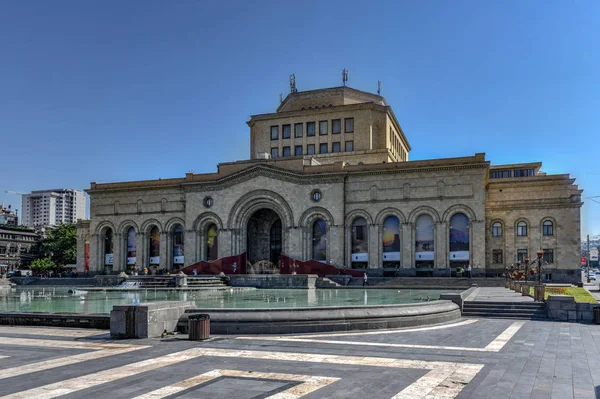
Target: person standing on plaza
pixel 365 278
pixel 469 271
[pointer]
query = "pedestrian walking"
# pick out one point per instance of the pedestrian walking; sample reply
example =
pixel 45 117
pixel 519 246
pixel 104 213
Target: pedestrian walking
pixel 195 272
pixel 469 271
pixel 365 279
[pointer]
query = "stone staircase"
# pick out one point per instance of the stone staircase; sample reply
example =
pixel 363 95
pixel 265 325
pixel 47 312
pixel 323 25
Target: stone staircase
pixel 158 282
pixel 324 282
pixel 206 282
pixel 509 310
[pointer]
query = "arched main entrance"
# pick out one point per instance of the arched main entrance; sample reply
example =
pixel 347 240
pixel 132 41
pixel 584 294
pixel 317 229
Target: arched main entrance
pixel 264 236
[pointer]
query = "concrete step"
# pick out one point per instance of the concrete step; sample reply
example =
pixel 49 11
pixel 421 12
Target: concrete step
pixel 528 316
pixel 503 303
pixel 467 305
pixel 507 311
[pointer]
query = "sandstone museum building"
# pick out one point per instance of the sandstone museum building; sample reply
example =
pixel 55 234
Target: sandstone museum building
pixel 329 179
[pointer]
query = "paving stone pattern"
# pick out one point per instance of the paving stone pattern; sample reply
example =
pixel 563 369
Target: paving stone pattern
pixel 469 358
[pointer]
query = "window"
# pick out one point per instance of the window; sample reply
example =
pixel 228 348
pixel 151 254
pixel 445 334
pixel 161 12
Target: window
pixel 2 250
pixel 13 250
pixel 212 243
pixel 323 148
pixel 497 256
pixel 298 150
pixel 316 195
pixel 286 152
pixel 548 228
pixel 498 174
pixel 549 255
pixel 310 149
pixel 336 126
pixel 298 130
pixel 349 146
pixel 274 132
pixel 274 152
pixel 523 172
pixel 360 242
pixel 349 125
pixel 319 240
pixel 522 229
pixel 323 125
pixel 336 147
pixel 287 131
pixel 497 229
pixel 521 255
pixel 310 128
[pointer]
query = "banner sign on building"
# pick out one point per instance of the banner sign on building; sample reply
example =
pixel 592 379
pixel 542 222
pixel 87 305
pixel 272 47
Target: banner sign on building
pixel 424 238
pixel 593 254
pixel 459 237
pixel 108 259
pixel 154 246
pixel 391 239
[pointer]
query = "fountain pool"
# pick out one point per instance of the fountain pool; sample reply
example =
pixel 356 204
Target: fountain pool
pixel 60 300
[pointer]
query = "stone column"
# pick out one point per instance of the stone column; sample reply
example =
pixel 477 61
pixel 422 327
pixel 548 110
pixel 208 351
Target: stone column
pixel 477 238
pixel 335 245
pixel 408 245
pixel 189 247
pixel 95 254
pixel 440 232
pixel 294 246
pixel 164 252
pixel 117 252
pixel 225 243
pixel 374 247
pixel 141 252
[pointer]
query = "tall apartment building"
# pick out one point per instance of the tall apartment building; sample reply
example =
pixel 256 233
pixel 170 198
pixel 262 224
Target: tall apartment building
pixel 52 207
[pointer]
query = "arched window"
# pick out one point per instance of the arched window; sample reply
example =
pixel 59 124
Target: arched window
pixel 548 228
pixel 108 247
pixel 522 229
pixel 131 247
pixel 212 243
pixel 459 239
pixel 275 241
pixel 424 242
pixel 391 242
pixel 497 229
pixel 360 243
pixel 154 246
pixel 178 258
pixel 319 240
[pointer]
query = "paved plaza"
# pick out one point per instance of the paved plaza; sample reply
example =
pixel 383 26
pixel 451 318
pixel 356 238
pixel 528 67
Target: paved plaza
pixel 468 358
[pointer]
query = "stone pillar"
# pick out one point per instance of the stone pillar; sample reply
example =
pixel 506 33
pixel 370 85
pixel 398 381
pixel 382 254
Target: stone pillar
pixel 95 254
pixel 477 238
pixel 189 247
pixel 374 247
pixel 164 252
pixel 117 252
pixel 441 245
pixel 294 246
pixel 335 245
pixel 225 244
pixel 141 251
pixel 408 245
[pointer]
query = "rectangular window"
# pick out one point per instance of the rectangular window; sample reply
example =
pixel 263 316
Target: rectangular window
pixel 336 147
pixel 549 255
pixel 323 148
pixel 298 150
pixel 298 130
pixel 2 250
pixel 497 256
pixel 336 126
pixel 349 125
pixel 499 174
pixel 521 255
pixel 13 250
pixel 287 131
pixel 523 172
pixel 274 132
pixel 323 127
pixel 274 152
pixel 310 129
pixel 286 152
pixel 349 146
pixel 310 149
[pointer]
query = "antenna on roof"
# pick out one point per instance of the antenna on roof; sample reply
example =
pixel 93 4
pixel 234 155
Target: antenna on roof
pixel 293 88
pixel 280 97
pixel 344 76
pixel 379 87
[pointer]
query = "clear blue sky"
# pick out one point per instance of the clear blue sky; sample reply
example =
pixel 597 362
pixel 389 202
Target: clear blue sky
pixel 127 90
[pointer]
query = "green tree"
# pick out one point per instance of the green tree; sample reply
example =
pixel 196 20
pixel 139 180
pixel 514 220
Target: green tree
pixel 43 264
pixel 61 244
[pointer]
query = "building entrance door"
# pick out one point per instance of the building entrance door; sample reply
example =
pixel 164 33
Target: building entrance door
pixel 264 237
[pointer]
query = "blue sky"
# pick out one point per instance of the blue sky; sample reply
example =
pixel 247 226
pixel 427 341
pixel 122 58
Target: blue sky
pixel 131 90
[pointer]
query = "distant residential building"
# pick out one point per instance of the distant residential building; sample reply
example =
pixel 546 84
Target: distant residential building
pixel 52 207
pixel 18 247
pixel 8 217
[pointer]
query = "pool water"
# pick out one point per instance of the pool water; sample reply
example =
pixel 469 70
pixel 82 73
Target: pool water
pixel 58 299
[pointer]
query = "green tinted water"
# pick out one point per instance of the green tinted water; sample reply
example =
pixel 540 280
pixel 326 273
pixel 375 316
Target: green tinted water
pixel 58 299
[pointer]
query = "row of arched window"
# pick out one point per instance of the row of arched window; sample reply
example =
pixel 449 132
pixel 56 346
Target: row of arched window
pixel 522 227
pixel 176 248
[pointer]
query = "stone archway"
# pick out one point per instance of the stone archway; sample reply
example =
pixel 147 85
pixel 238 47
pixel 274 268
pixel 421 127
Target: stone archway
pixel 264 236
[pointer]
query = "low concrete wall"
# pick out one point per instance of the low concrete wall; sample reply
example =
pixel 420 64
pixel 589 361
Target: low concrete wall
pixel 564 308
pixel 99 321
pixel 273 281
pixel 459 297
pixel 67 281
pixel 147 320
pixel 418 282
pixel 320 319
